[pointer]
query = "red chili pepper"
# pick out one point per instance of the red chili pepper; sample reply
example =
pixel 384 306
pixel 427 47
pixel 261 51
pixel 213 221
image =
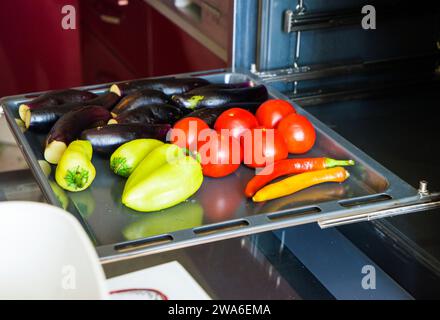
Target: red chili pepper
pixel 291 166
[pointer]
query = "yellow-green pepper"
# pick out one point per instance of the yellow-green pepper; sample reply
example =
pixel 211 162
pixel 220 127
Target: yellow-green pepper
pixel 75 171
pixel 164 179
pixel 155 159
pixel 128 156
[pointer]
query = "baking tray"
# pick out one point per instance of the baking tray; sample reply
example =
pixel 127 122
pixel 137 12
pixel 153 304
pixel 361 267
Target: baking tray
pixel 219 210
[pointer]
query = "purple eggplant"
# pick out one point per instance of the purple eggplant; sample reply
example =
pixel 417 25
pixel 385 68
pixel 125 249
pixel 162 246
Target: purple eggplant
pixel 151 114
pixel 214 98
pixel 169 86
pixel 42 119
pixel 105 140
pixel 140 99
pixel 210 115
pixel 54 98
pixel 69 127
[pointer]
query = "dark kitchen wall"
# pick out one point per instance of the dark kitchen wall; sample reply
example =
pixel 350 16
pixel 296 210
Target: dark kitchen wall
pixel 36 53
pixel 113 40
pixel 129 39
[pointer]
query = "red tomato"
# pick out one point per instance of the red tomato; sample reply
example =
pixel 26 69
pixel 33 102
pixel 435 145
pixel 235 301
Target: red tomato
pixel 220 154
pixel 270 113
pixel 237 121
pixel 298 132
pixel 186 132
pixel 263 146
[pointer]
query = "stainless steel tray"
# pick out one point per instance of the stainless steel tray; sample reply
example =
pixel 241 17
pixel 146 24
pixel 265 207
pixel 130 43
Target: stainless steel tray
pixel 219 210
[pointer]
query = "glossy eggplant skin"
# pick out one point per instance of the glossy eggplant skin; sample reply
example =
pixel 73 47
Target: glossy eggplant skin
pixel 54 98
pixel 70 125
pixel 139 100
pixel 169 86
pixel 199 98
pixel 151 114
pixel 210 115
pixel 105 140
pixel 61 96
pixel 43 119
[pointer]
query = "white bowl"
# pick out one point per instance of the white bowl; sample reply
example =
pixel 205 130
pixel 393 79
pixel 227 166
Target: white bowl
pixel 46 254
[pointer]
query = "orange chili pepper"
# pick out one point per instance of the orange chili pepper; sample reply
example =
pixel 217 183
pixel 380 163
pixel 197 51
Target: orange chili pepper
pixel 291 166
pixel 300 182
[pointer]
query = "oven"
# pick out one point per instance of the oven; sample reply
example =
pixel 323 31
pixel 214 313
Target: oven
pixel 369 86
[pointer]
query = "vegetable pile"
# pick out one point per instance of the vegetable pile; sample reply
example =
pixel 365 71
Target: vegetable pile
pixel 165 135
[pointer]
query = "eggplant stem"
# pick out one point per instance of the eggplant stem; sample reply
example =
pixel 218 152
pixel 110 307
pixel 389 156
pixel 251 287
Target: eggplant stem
pixel 115 89
pixel 27 118
pixel 54 151
pixel 22 111
pixel 194 101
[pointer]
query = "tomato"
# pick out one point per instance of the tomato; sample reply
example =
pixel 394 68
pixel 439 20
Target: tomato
pixel 236 120
pixel 298 132
pixel 186 132
pixel 220 155
pixel 270 113
pixel 263 146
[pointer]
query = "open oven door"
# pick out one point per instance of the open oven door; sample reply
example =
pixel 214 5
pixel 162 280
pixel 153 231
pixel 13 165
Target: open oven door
pixel 355 66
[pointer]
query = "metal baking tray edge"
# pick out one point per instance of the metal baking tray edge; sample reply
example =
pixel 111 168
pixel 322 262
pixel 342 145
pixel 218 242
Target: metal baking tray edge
pixel 398 192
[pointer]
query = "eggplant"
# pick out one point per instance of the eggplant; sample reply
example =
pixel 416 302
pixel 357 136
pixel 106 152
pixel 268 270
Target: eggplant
pixel 42 119
pixel 210 115
pixel 169 86
pixel 105 140
pixel 139 100
pixel 69 127
pixel 199 98
pixel 152 114
pixel 54 98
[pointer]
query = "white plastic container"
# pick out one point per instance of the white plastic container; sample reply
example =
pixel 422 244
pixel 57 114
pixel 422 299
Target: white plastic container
pixel 46 254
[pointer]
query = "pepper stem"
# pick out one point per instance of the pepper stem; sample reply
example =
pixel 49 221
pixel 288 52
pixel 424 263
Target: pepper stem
pixel 331 163
pixel 193 154
pixel 77 177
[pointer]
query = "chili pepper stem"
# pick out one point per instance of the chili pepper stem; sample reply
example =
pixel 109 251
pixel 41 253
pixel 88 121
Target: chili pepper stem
pixel 331 163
